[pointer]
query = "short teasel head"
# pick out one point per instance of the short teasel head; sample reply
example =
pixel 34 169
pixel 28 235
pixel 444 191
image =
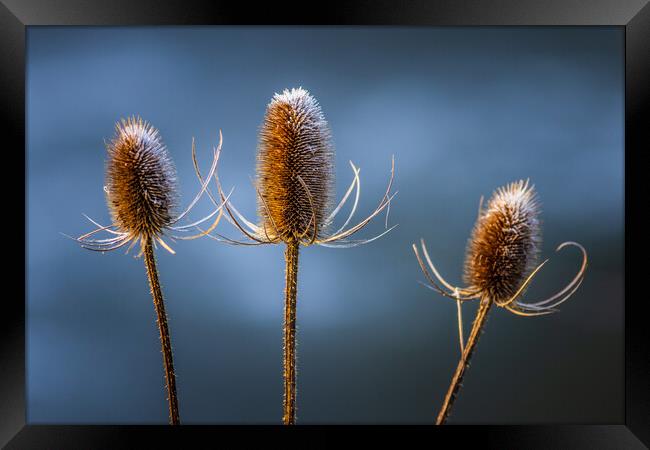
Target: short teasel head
pixel 140 180
pixel 501 258
pixel 295 167
pixel 505 242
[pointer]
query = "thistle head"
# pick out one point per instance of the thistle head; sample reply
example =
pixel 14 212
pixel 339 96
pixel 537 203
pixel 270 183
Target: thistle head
pixel 294 167
pixel 505 242
pixel 140 180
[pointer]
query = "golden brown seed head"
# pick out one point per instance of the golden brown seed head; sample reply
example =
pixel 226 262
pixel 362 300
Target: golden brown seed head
pixel 505 242
pixel 140 179
pixel 295 144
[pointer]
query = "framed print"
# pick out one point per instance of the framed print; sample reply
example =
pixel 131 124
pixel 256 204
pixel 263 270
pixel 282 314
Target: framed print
pixel 207 160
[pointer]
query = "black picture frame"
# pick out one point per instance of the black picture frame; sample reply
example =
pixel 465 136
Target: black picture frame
pixel 632 15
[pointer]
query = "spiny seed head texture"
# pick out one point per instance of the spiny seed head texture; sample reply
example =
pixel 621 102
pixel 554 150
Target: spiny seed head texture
pixel 505 242
pixel 140 179
pixel 295 141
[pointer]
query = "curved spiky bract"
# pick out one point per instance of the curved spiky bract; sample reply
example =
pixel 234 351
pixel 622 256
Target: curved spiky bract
pixel 140 180
pixel 505 242
pixel 294 167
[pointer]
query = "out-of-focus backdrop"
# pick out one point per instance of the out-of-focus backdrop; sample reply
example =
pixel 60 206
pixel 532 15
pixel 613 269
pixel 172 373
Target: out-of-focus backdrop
pixel 464 110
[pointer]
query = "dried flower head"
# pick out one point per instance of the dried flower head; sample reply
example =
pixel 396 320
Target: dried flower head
pixel 505 242
pixel 140 179
pixel 502 254
pixel 295 180
pixel 141 190
pixel 294 166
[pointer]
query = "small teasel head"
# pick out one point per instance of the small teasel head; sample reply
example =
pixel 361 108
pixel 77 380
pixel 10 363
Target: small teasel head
pixel 505 242
pixel 140 180
pixel 502 253
pixel 295 167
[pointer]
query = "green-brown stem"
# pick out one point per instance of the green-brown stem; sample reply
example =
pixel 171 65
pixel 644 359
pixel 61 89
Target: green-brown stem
pixel 290 291
pixel 165 340
pixel 454 387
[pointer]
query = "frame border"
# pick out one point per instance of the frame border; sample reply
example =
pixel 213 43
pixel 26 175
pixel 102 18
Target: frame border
pixel 633 15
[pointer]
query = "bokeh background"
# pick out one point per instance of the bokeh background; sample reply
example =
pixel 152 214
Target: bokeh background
pixel 464 110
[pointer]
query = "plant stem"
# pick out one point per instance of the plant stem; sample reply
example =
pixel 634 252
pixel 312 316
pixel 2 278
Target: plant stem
pixel 477 327
pixel 165 340
pixel 290 291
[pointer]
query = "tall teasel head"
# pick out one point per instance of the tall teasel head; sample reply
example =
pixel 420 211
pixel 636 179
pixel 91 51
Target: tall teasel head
pixel 295 180
pixel 141 190
pixel 502 254
pixel 295 166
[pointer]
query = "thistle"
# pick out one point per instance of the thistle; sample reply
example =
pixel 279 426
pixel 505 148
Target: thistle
pixel 501 261
pixel 295 184
pixel 141 193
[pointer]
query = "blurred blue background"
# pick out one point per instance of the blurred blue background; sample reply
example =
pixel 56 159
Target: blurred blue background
pixel 464 110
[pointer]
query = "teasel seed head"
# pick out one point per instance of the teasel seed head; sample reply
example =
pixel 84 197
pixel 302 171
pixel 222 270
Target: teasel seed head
pixel 295 167
pixel 501 259
pixel 140 180
pixel 505 242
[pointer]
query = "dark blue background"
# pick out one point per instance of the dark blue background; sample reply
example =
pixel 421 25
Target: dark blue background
pixel 464 110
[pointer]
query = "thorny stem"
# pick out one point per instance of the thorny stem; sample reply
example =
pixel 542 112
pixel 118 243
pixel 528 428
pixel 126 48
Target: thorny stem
pixel 291 285
pixel 165 341
pixel 454 387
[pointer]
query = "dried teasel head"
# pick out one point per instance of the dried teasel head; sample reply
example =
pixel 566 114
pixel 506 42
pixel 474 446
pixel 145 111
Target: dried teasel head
pixel 501 259
pixel 295 181
pixel 505 242
pixel 295 166
pixel 502 253
pixel 141 191
pixel 140 179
